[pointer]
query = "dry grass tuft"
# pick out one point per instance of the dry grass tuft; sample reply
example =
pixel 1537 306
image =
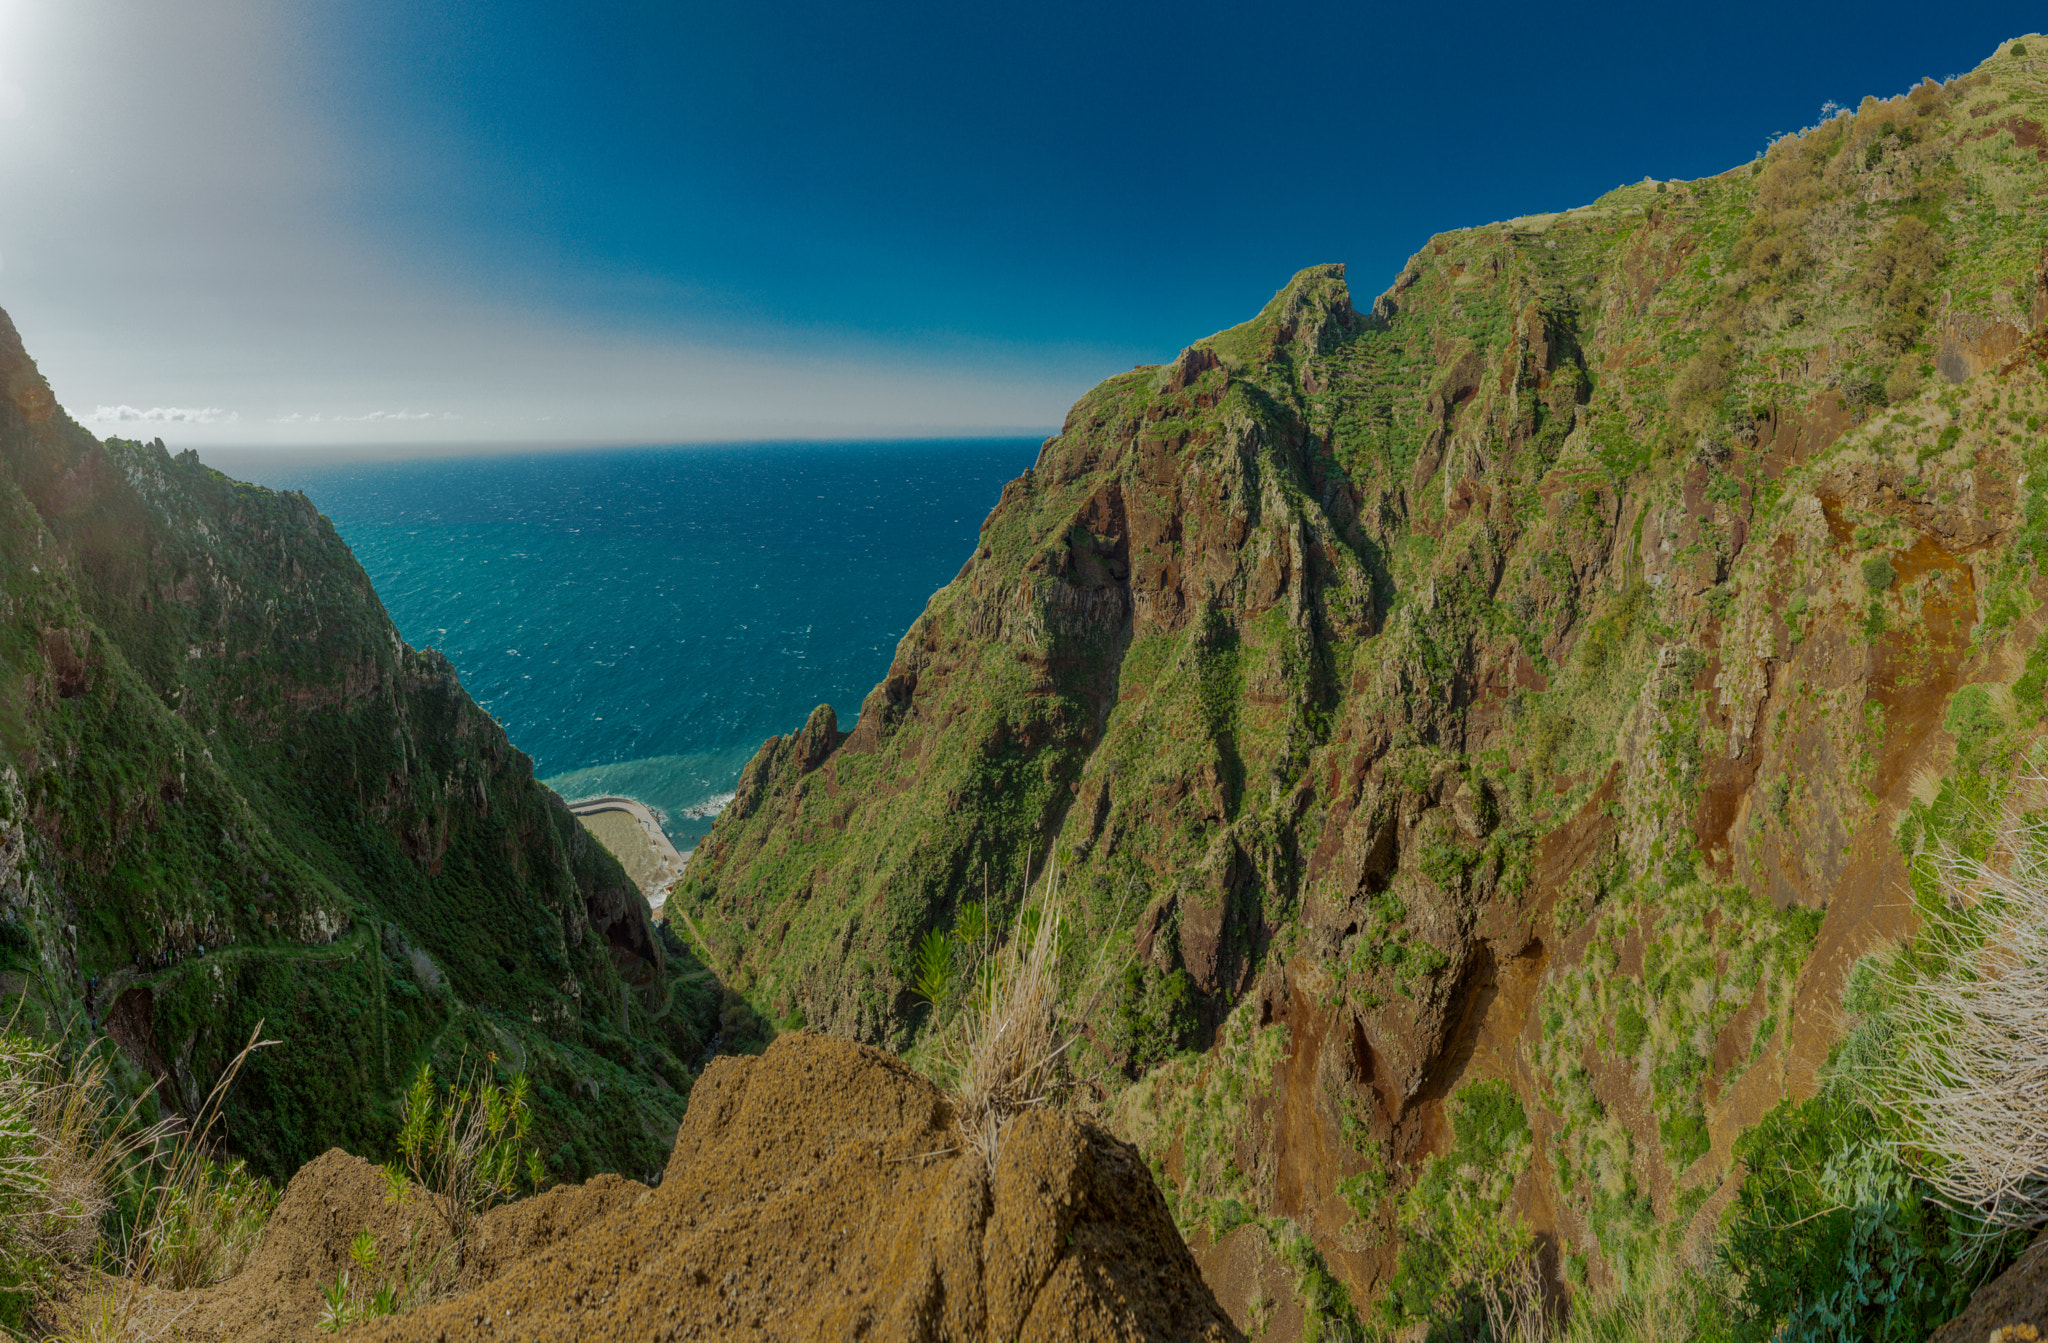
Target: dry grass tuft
pixel 1014 1040
pixel 1968 1009
pixel 61 1140
pixel 198 1222
pixel 204 1216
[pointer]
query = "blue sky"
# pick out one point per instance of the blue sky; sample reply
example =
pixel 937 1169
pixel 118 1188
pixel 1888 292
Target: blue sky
pixel 382 222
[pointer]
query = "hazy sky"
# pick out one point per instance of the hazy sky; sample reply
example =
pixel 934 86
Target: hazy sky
pixel 385 221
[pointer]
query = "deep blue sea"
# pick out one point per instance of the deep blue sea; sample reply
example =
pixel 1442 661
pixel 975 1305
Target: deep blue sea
pixel 640 620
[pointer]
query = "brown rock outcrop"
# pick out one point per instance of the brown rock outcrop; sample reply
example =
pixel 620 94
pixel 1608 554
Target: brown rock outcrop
pixel 818 1191
pixel 2011 1308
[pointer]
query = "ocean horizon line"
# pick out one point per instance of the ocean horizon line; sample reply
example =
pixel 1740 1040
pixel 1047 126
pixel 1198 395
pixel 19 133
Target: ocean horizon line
pixel 343 453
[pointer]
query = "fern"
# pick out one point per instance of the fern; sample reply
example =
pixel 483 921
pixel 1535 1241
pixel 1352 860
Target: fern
pixel 934 966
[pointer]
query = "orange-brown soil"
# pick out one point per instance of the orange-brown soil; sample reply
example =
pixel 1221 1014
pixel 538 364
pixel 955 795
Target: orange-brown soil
pixel 818 1191
pixel 2016 1297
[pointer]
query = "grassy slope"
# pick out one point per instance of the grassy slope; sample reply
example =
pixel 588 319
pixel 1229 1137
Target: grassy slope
pixel 243 798
pixel 1582 688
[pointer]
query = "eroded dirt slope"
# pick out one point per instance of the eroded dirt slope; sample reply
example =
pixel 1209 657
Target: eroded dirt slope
pixel 817 1191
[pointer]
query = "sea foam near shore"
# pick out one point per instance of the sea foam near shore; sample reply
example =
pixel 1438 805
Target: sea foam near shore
pixel 642 619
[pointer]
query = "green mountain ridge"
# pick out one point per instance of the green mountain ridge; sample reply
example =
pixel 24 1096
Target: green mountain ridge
pixel 1484 729
pixel 233 794
pixel 1511 707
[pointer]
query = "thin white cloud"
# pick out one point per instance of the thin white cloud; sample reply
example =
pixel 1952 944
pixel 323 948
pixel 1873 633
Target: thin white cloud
pixel 375 416
pixel 245 279
pixel 125 414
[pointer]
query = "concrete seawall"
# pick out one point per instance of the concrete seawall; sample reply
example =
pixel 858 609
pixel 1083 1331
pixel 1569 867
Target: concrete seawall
pixel 668 863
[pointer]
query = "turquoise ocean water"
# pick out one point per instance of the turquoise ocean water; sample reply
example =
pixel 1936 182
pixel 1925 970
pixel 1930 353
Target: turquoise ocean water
pixel 640 620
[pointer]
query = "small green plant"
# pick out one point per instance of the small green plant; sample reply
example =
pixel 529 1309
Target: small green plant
pixel 934 967
pixel 347 1300
pixel 207 1222
pixel 970 924
pixel 467 1147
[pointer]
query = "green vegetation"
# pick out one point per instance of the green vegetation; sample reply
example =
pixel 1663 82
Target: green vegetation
pixel 467 1145
pixel 351 1298
pixel 1202 1104
pixel 1497 683
pixel 1155 1016
pixel 1833 1237
pixel 1542 640
pixel 1458 1233
pixel 318 831
pixel 461 1151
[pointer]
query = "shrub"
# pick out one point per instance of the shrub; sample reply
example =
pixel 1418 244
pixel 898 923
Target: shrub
pixel 1878 574
pixel 1831 1235
pixel 1972 718
pixel 1154 1015
pixel 467 1147
pixel 1704 379
pixel 1459 1245
pixel 1547 736
pixel 1903 382
pixel 1630 1029
pixel 1899 278
pixel 1326 1306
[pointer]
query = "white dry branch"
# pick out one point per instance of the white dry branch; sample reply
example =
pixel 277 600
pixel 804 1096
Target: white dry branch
pixel 1967 1067
pixel 1011 1052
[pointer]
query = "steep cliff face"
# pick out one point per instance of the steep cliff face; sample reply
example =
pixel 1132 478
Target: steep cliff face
pixel 231 793
pixel 1523 697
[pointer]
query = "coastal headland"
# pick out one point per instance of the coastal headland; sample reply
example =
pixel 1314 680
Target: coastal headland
pixel 634 836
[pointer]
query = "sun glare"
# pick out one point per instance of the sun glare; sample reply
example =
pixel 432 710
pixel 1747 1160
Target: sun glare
pixel 19 23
